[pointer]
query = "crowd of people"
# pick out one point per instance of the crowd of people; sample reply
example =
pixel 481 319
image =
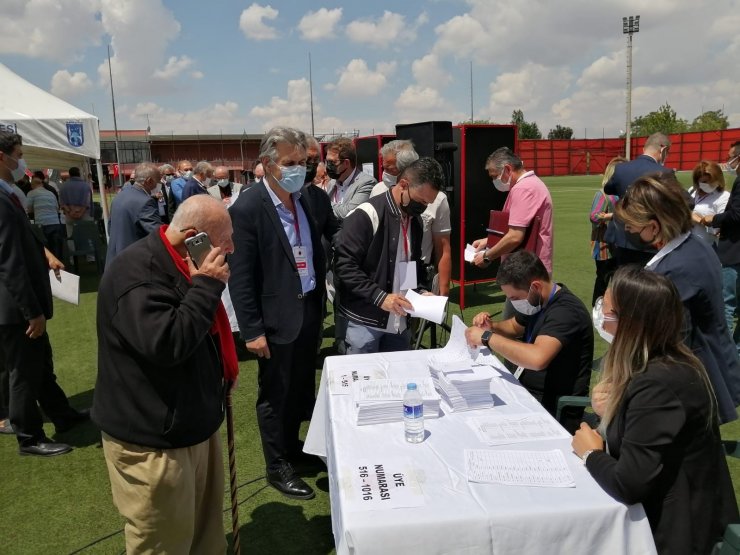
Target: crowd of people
pixel 172 323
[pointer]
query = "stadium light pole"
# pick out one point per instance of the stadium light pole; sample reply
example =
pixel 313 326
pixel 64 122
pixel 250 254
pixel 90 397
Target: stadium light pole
pixel 630 25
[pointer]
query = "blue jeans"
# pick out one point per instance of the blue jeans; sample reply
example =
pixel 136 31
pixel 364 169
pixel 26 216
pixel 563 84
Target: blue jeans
pixel 730 289
pixel 361 339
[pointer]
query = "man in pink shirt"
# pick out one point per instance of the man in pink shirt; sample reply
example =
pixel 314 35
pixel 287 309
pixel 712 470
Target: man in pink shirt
pixel 528 199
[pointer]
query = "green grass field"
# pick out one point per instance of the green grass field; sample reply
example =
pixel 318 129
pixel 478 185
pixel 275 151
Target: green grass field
pixel 63 504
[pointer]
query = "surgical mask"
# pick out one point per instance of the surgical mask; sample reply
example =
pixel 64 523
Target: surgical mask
pixel 293 178
pixel 207 182
pixel 168 178
pixel 728 165
pixel 156 190
pixel 20 171
pixel 523 306
pixel 332 169
pixel 414 207
pixel 598 317
pixel 311 168
pixel 500 185
pixel 223 183
pixel 707 187
pixel 389 180
pixel 187 174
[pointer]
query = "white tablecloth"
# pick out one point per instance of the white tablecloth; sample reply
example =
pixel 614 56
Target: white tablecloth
pixel 461 517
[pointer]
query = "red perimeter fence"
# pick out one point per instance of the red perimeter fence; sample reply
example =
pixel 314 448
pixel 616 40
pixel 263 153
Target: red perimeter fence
pixel 590 156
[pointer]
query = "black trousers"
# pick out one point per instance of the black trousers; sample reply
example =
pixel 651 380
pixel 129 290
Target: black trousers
pixel 55 236
pixel 285 380
pixel 31 378
pixel 604 271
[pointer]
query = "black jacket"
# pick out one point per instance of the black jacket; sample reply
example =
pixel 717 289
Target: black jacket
pixel 665 455
pixel 728 222
pixel 366 258
pixel 327 223
pixel 134 215
pixel 265 287
pixel 25 292
pixel 160 380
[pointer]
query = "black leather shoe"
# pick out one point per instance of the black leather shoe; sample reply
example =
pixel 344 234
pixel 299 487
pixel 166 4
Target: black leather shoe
pixel 287 482
pixel 71 420
pixel 6 427
pixel 45 448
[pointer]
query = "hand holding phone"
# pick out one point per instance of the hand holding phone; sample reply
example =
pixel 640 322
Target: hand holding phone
pixel 198 247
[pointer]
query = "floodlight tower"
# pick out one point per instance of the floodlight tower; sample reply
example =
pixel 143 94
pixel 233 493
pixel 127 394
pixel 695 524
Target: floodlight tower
pixel 630 25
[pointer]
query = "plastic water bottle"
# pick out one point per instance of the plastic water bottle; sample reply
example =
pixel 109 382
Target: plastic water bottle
pixel 413 414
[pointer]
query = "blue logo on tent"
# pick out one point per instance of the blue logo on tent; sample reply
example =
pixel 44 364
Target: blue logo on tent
pixel 75 134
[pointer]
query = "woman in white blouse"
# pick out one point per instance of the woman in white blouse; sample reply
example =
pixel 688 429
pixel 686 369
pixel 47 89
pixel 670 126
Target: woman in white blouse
pixel 709 196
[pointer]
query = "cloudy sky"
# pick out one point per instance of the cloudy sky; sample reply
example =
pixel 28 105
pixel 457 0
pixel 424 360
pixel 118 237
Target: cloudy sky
pixel 232 65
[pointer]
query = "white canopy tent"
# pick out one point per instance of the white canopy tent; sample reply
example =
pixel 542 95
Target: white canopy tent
pixel 55 134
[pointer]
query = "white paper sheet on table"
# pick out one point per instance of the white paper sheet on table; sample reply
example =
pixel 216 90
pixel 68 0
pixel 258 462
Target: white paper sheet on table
pixel 519 468
pixel 456 349
pixel 428 307
pixel 66 287
pixel 340 382
pixel 470 252
pixel 505 429
pixel 379 484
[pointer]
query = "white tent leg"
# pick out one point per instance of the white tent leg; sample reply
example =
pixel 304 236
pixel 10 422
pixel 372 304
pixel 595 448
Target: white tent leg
pixel 103 198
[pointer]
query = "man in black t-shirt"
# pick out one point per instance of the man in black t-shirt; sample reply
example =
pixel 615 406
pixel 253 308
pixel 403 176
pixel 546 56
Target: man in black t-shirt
pixel 550 338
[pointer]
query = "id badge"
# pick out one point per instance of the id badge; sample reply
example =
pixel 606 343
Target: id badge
pixel 301 263
pixel 407 276
pixel 519 372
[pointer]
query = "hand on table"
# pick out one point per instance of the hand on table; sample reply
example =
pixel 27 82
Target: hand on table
pixel 586 439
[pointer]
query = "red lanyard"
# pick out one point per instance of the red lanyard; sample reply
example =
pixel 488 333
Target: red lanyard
pixel 405 230
pixel 294 213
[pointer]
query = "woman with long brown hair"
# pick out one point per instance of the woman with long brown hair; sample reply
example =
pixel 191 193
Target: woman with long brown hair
pixel 663 446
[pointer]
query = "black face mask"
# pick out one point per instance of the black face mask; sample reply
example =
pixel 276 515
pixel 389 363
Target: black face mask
pixel 635 239
pixel 331 169
pixel 414 207
pixel 311 168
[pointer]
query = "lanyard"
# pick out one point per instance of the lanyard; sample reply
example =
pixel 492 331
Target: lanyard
pixel 405 230
pixel 294 213
pixel 533 321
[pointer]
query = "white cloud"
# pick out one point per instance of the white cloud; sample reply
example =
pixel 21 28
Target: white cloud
pixel 58 30
pixel 320 24
pixel 382 31
pixel 141 32
pixel 420 103
pixel 357 79
pixel 528 88
pixel 221 116
pixel 428 71
pixel 68 85
pixel 252 22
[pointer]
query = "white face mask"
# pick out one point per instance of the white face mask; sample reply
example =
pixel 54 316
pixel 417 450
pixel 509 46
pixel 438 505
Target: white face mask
pixel 500 185
pixel 707 187
pixel 223 183
pixel 207 182
pixel 389 180
pixel 523 306
pixel 20 171
pixel 188 174
pixel 728 165
pixel 598 317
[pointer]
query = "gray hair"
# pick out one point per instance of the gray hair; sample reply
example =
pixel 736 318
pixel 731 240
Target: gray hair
pixel 280 135
pixel 164 168
pixel 404 151
pixel 203 168
pixel 198 212
pixel 312 141
pixel 502 156
pixel 656 141
pixel 146 170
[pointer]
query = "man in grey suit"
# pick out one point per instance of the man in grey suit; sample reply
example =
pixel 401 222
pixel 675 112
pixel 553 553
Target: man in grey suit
pixel 350 186
pixel 134 213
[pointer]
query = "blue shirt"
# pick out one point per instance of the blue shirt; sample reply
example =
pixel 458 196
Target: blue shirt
pixel 176 187
pixel 308 282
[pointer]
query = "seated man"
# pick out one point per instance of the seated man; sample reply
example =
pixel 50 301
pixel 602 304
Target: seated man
pixel 555 355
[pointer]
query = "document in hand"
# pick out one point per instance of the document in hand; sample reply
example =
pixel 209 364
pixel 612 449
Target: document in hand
pixel 469 252
pixel 65 287
pixel 428 307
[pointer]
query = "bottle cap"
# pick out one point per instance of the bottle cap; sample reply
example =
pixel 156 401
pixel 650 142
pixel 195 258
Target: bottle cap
pixel 411 386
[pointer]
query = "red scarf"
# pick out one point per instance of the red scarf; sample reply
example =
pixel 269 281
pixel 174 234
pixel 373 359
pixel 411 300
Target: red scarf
pixel 221 326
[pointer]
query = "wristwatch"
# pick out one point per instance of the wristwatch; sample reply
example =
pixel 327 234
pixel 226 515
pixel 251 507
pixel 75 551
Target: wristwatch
pixel 485 257
pixel 485 337
pixel 586 454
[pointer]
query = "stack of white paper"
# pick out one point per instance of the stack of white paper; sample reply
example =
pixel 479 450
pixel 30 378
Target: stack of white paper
pixel 503 429
pixel 462 385
pixel 381 401
pixel 519 468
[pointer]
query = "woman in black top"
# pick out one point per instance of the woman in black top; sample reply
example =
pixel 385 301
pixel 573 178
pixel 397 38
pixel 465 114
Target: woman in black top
pixel 659 418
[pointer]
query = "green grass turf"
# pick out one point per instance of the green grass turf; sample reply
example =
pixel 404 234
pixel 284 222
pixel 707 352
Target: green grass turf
pixel 63 505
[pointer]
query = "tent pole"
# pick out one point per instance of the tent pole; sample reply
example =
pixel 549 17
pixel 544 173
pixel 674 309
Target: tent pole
pixel 103 198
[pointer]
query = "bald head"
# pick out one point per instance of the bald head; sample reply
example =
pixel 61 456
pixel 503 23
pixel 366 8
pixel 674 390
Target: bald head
pixel 201 213
pixel 221 172
pixel 259 171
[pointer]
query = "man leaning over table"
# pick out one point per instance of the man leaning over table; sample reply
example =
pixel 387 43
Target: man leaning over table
pixel 550 337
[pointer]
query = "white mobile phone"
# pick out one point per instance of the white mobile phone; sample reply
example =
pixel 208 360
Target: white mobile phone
pixel 198 247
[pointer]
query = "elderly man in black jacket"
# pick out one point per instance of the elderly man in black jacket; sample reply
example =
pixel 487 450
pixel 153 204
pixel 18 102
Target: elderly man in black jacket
pixel 165 357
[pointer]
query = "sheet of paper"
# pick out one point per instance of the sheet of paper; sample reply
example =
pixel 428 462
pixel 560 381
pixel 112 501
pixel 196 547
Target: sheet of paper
pixel 375 485
pixel 504 429
pixel 387 390
pixel 340 382
pixel 66 287
pixel 429 307
pixel 407 276
pixel 519 468
pixel 457 348
pixel 367 168
pixel 469 252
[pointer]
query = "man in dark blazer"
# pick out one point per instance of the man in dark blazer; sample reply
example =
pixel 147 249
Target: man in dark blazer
pixel 201 180
pixel 651 161
pixel 25 306
pixel 134 212
pixel 277 286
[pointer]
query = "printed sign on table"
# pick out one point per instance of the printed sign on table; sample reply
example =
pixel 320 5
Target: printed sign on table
pixel 387 483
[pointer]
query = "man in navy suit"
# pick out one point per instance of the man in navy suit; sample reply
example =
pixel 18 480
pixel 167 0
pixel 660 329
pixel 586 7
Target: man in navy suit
pixel 651 161
pixel 134 212
pixel 201 180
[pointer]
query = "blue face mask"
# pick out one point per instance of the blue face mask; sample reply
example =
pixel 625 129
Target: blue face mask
pixel 293 178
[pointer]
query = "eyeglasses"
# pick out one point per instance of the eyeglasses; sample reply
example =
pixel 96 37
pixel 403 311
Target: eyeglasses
pixel 599 309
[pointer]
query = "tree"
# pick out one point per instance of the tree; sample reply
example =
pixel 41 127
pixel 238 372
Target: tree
pixel 711 120
pixel 663 120
pixel 526 130
pixel 560 132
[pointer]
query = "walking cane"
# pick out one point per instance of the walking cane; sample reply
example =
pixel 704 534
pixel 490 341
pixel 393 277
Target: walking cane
pixel 232 472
